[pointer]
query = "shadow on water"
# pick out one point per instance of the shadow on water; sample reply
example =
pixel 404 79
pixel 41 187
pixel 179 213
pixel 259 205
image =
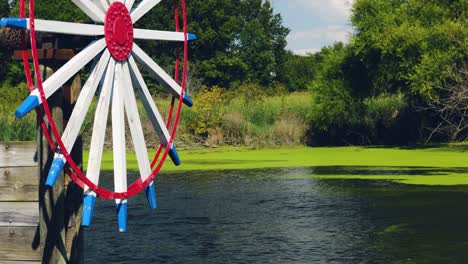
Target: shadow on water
pixel 231 161
pixel 261 216
pixel 394 170
pixel 439 147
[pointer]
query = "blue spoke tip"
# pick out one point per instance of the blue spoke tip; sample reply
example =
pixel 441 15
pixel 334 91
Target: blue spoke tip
pixel 88 208
pixel 55 170
pixel 28 104
pixel 191 37
pixel 13 22
pixel 174 156
pixel 151 196
pixel 187 100
pixel 122 209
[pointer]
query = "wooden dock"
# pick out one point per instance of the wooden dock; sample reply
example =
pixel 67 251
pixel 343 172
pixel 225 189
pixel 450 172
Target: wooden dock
pixel 37 225
pixel 19 207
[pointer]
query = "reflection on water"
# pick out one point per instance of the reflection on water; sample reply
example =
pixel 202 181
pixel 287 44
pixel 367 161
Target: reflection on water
pixel 257 216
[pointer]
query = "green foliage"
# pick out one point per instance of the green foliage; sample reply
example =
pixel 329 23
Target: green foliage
pixel 249 93
pixel 261 42
pixel 384 109
pixel 54 10
pixel 4 8
pixel 219 118
pixel 271 120
pixel 12 128
pixel 405 55
pixel 238 41
pixel 207 111
pixel 410 45
pixel 299 71
pixel 333 100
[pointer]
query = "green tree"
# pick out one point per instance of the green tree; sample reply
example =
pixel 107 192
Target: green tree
pixel 334 103
pixel 299 71
pixel 415 47
pixel 215 22
pixel 410 45
pixel 238 40
pixel 403 57
pixel 261 42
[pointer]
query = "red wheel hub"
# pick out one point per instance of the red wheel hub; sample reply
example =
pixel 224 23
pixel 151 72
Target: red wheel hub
pixel 118 28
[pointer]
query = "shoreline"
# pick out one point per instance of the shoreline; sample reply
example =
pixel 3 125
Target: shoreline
pixel 436 165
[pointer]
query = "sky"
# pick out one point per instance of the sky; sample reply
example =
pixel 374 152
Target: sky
pixel 314 23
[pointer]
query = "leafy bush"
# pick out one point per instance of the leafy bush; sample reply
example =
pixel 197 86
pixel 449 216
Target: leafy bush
pixel 207 111
pixel 334 104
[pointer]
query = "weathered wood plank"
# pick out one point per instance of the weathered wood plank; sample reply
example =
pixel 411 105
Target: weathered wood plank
pixel 19 214
pixel 18 154
pixel 19 183
pixel 18 243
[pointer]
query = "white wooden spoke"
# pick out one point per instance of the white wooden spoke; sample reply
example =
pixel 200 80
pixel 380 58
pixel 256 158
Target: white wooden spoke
pixel 62 75
pixel 129 4
pixel 99 126
pixel 157 35
pixel 118 133
pixel 150 107
pixel 84 101
pixel 157 72
pixel 135 124
pixel 142 9
pixel 60 27
pixel 90 9
pixel 103 4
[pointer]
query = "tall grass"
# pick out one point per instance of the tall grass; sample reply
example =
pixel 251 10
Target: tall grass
pixel 240 120
pixel 269 121
pixel 11 128
pixel 274 120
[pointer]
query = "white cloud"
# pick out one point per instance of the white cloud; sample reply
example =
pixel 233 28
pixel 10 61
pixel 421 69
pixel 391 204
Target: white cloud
pixel 301 42
pixel 315 23
pixel 328 10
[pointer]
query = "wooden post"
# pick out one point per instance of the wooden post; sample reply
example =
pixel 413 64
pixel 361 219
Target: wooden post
pixel 74 194
pixel 60 207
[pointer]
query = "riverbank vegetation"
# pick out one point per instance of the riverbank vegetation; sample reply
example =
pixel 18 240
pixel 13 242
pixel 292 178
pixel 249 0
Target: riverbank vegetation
pixel 400 80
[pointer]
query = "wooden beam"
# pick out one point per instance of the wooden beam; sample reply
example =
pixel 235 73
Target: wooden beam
pixel 47 54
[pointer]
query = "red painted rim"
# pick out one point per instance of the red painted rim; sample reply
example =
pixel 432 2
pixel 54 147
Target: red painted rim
pixel 76 174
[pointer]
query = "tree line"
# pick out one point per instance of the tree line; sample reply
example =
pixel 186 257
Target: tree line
pixel 401 79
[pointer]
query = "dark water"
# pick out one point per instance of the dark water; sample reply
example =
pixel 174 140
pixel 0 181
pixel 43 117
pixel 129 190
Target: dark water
pixel 260 216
